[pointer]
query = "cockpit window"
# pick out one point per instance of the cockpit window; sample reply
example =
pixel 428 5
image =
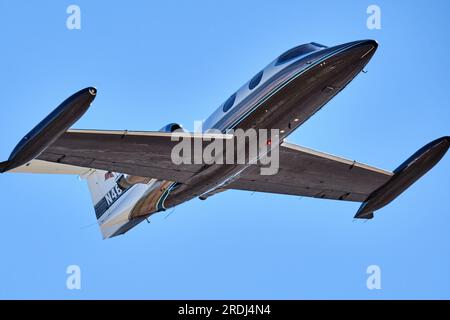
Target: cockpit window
pixel 229 103
pixel 319 45
pixel 298 51
pixel 255 80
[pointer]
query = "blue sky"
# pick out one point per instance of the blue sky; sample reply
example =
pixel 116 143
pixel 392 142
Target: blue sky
pixel 173 61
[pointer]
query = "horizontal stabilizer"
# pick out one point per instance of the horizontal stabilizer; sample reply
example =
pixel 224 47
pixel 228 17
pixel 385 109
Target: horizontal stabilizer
pixel 404 176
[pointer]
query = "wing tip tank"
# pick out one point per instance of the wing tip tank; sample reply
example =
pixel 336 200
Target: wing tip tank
pixel 49 129
pixel 404 176
pixel 3 166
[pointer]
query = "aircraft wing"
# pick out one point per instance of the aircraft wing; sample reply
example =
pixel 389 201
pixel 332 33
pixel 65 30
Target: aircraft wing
pixel 50 148
pixel 309 173
pixel 145 154
pixel 302 172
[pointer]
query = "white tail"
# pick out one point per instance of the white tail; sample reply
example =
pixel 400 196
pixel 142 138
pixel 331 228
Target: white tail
pixel 112 203
pixel 104 189
pixel 111 207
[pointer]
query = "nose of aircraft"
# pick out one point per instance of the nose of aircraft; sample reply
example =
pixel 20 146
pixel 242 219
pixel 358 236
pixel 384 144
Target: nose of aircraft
pixel 365 42
pixel 92 91
pixel 356 52
pixel 370 44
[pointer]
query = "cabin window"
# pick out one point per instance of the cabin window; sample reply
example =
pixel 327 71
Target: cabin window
pixel 297 52
pixel 229 103
pixel 255 80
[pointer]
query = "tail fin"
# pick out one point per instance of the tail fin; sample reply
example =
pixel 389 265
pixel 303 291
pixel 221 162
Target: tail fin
pixel 104 190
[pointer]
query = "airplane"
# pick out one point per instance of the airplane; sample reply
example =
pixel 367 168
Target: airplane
pixel 130 174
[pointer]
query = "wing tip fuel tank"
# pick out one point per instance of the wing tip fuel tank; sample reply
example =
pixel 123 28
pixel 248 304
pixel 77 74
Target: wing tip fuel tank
pixel 404 176
pixel 3 166
pixel 50 128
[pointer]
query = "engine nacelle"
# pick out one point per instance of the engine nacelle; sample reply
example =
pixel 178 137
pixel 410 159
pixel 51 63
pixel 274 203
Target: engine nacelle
pixel 127 181
pixel 171 127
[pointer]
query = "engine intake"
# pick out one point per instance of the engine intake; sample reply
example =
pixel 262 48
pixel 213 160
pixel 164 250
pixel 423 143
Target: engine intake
pixel 171 127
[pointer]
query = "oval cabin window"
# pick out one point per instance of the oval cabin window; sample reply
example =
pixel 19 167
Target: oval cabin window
pixel 229 103
pixel 255 80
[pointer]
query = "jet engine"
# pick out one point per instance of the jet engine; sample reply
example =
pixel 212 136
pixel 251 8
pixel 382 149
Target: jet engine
pixel 127 181
pixel 171 127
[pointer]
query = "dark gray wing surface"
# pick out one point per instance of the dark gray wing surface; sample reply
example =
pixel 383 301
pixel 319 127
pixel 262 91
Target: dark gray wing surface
pixel 305 172
pixel 146 154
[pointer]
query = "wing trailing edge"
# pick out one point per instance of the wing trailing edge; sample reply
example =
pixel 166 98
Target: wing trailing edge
pixel 45 167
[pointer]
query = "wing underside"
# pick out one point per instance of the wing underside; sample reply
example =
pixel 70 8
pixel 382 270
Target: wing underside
pixel 302 171
pixel 305 172
pixel 145 154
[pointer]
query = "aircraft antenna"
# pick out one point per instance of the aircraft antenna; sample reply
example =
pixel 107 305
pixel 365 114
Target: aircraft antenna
pixel 88 226
pixel 173 210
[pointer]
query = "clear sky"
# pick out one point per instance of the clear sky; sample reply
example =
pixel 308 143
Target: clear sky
pixel 176 61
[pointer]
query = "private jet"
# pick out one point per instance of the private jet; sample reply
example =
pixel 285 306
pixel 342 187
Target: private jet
pixel 131 175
